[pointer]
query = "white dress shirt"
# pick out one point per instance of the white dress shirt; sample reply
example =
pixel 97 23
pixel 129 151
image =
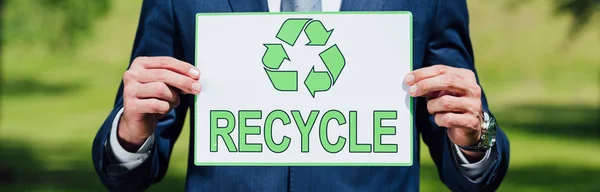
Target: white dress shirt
pixel 120 160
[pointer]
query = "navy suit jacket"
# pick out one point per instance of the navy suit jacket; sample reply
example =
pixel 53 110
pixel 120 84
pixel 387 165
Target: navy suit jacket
pixel 440 36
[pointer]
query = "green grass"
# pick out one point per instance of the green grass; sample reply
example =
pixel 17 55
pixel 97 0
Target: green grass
pixel 545 93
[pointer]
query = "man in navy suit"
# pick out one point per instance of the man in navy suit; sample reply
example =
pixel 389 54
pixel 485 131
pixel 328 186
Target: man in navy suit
pixel 132 149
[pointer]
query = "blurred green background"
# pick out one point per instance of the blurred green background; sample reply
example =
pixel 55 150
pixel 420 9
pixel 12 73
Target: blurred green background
pixel 62 61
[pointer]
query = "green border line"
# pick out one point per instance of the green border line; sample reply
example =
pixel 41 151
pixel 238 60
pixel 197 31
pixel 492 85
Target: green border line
pixel 410 163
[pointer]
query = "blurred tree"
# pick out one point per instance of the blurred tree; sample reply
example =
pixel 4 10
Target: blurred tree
pixel 57 23
pixel 582 12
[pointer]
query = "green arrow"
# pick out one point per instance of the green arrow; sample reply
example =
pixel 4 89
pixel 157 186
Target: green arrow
pixel 283 80
pixel 317 34
pixel 334 61
pixel 317 81
pixel 290 30
pixel 274 56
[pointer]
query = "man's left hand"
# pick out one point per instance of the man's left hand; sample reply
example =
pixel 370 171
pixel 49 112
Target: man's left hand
pixel 454 98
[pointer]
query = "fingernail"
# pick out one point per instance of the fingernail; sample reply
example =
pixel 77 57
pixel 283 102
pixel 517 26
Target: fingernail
pixel 196 87
pixel 409 78
pixel 413 89
pixel 194 72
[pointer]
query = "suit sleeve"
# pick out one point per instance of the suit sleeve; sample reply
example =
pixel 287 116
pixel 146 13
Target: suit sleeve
pixel 155 36
pixel 450 44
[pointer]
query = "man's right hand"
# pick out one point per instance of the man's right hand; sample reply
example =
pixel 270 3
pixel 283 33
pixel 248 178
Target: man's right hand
pixel 151 89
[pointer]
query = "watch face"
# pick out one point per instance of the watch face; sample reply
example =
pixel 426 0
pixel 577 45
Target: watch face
pixel 486 121
pixel 491 131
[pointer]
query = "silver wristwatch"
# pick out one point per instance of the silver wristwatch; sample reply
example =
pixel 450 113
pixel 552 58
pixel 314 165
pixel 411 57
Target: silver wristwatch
pixel 488 134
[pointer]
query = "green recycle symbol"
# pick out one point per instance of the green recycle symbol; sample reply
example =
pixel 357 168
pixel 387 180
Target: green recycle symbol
pixel 316 81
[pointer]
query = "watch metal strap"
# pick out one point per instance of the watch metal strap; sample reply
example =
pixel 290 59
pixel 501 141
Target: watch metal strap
pixel 481 146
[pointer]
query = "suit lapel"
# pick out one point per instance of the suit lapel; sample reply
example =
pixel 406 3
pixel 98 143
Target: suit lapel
pixel 249 5
pixel 362 5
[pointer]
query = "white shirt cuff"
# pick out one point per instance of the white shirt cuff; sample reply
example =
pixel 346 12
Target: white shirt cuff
pixel 473 170
pixel 121 159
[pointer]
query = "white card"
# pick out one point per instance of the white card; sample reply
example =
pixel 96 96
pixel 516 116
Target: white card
pixel 294 89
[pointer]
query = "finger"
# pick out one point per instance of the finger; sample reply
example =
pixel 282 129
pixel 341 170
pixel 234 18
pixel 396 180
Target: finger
pixel 168 63
pixel 432 95
pixel 424 73
pixel 158 90
pixel 436 94
pixel 447 103
pixel 456 120
pixel 152 106
pixel 445 82
pixel 181 82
